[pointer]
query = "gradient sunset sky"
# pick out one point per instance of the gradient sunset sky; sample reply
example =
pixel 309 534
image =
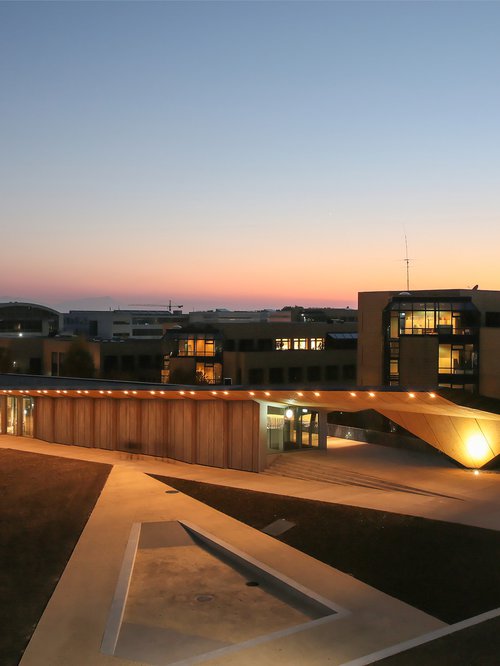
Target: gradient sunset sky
pixel 247 154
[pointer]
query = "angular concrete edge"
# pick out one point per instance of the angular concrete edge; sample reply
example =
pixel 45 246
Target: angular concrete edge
pixel 112 631
pixel 243 558
pixel 113 625
pixel 421 640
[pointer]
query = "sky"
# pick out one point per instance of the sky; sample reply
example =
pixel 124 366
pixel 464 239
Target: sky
pixel 247 154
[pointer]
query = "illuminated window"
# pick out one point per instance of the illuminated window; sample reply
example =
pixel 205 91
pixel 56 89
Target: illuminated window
pixel 394 328
pixel 205 347
pixel 299 344
pixel 208 373
pixel 186 347
pixel 457 359
pixel 196 345
pixel 445 318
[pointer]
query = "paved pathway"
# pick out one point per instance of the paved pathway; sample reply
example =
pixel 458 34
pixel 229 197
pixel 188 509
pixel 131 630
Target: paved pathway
pixel 71 629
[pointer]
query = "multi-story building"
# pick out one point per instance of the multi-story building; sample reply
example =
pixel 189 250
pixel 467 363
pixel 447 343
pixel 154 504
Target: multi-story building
pixel 298 353
pixel 434 339
pixel 31 342
pixel 30 319
pixel 292 346
pixel 121 324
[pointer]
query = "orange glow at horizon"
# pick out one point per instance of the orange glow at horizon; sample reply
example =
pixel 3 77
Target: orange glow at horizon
pixel 270 277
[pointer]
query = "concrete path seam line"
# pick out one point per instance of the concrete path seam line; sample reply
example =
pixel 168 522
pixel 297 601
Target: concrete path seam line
pixel 273 573
pixel 421 640
pixel 254 642
pixel 117 610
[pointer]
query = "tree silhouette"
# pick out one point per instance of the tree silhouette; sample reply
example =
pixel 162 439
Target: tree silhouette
pixel 78 361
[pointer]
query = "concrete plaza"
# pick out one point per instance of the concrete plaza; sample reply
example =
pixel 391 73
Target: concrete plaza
pixel 71 629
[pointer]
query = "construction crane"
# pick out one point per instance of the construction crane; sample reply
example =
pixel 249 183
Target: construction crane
pixel 169 306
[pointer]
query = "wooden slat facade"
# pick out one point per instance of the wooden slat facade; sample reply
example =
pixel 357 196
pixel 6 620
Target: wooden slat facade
pixel 243 433
pixel 63 420
pixel 210 432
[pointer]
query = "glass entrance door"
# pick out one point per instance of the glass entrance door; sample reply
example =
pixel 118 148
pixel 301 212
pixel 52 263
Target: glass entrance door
pixel 309 429
pixel 292 428
pixel 12 418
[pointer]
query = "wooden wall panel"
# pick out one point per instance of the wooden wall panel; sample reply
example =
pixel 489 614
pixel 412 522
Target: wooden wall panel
pixel 44 419
pixel 181 430
pixel 105 423
pixel 128 425
pixel 83 421
pixel 63 420
pixel 211 433
pixel 243 436
pixel 153 436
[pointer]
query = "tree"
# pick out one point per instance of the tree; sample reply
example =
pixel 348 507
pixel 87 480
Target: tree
pixel 78 361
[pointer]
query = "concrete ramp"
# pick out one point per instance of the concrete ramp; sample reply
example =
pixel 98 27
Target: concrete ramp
pixel 185 595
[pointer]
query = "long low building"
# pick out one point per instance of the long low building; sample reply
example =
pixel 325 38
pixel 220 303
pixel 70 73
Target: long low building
pixel 232 427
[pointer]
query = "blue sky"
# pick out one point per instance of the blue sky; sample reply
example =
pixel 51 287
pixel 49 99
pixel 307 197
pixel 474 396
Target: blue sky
pixel 247 153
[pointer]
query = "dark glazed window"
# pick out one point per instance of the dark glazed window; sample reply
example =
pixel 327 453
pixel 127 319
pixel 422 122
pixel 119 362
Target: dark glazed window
pixel 295 374
pixel 256 376
pixel 314 373
pixel 276 375
pixel 332 373
pixel 348 372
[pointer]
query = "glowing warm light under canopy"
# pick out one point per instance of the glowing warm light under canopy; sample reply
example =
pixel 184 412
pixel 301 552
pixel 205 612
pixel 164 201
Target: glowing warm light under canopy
pixel 289 413
pixel 478 448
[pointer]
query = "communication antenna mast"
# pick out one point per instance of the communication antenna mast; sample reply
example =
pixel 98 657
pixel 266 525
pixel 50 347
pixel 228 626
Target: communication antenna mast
pixel 407 262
